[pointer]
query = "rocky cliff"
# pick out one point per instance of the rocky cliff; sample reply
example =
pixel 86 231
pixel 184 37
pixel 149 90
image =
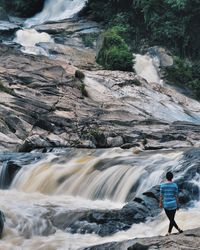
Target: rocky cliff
pixel 44 105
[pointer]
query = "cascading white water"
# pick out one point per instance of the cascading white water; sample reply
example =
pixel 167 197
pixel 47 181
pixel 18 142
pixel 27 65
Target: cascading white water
pixel 56 10
pixel 54 185
pixel 147 68
pixel 53 11
pixel 29 38
pixel 82 177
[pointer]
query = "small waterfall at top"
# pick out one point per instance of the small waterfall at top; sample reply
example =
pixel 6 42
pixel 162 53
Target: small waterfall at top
pixel 29 38
pixel 56 10
pixel 147 68
pixel 53 11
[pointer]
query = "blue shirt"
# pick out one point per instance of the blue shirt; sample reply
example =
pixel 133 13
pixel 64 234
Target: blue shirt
pixel 169 192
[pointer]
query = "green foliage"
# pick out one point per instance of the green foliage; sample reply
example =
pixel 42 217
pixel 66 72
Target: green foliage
pixel 23 8
pixel 115 53
pixel 180 72
pixel 94 132
pixel 83 90
pixel 170 23
pixel 79 74
pixel 185 72
pixel 89 39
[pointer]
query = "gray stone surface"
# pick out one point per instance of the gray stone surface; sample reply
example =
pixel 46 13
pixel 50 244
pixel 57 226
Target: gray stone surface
pixel 42 103
pixel 188 240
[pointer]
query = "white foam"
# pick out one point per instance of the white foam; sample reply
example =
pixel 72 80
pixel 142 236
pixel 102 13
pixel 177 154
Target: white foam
pixel 29 38
pixel 56 10
pixel 147 68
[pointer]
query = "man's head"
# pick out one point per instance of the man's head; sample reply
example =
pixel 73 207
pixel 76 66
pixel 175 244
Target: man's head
pixel 169 176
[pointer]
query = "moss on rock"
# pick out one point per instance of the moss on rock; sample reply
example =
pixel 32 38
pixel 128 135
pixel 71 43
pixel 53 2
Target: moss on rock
pixel 115 53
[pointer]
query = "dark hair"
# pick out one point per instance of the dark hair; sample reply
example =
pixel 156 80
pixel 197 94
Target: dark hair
pixel 169 176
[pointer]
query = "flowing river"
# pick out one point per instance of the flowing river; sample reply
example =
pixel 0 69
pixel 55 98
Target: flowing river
pixel 80 180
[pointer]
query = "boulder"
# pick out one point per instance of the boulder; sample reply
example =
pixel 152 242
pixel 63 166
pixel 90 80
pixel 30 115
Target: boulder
pixel 115 141
pixel 8 173
pixel 2 220
pixel 188 240
pixel 164 56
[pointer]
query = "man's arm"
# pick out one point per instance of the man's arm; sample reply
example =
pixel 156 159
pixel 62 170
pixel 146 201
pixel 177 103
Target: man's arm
pixel 161 201
pixel 176 196
pixel 177 202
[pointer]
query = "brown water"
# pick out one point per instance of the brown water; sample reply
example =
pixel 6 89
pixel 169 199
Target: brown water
pixel 78 183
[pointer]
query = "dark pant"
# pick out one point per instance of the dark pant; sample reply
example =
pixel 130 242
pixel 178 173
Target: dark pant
pixel 171 214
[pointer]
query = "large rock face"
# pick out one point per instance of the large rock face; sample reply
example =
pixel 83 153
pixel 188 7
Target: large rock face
pixel 42 105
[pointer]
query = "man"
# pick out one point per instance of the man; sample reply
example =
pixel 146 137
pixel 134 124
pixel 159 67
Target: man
pixel 169 201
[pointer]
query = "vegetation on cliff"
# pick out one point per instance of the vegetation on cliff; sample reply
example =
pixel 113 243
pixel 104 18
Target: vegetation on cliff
pixel 22 8
pixel 115 53
pixel 170 23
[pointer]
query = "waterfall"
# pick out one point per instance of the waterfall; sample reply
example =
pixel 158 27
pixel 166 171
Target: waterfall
pixel 112 175
pixel 29 38
pixel 62 186
pixel 56 10
pixel 147 68
pixel 53 11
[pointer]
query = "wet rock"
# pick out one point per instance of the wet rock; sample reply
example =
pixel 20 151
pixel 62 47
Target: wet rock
pixel 8 173
pixel 109 222
pixel 2 220
pixel 130 145
pixel 12 163
pixel 79 74
pixel 42 106
pixel 154 144
pixel 100 140
pixel 34 142
pixel 7 28
pixel 189 239
pixel 184 196
pixel 173 137
pixel 83 227
pixel 85 144
pixel 115 141
pixel 164 56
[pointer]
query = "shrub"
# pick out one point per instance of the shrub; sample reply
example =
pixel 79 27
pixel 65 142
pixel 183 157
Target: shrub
pixel 179 72
pixel 83 90
pixel 79 74
pixel 23 8
pixel 171 23
pixel 89 39
pixel 115 53
pixel 185 72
